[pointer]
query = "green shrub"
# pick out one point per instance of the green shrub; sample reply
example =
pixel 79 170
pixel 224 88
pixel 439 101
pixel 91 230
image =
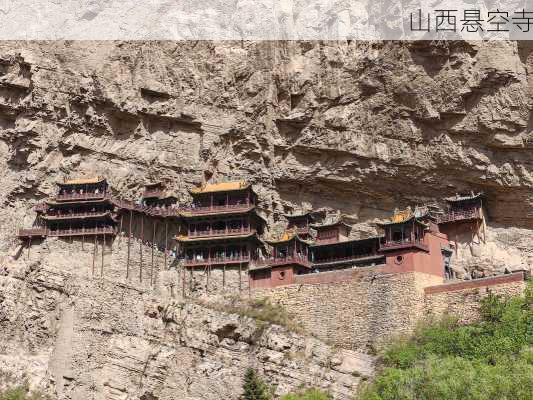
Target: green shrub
pixel 20 393
pixel 490 359
pixel 254 388
pixel 309 394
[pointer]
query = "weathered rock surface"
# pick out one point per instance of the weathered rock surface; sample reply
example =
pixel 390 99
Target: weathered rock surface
pixel 352 126
pixel 79 338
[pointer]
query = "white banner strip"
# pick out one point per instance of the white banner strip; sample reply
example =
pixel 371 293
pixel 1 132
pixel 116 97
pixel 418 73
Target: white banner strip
pixel 266 20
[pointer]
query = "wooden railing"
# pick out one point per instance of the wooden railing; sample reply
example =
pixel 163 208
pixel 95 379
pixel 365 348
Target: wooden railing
pixel 220 232
pixel 216 260
pixel 33 232
pixel 154 193
pixel 151 211
pixel 76 215
pixel 354 257
pixel 107 230
pixel 80 196
pixel 214 209
pixel 402 244
pixel 275 261
pixel 458 215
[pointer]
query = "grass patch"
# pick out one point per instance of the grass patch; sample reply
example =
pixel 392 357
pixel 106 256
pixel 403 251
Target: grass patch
pixel 443 360
pixel 262 310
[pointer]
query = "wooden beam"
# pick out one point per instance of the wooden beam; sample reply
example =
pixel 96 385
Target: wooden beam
pixel 129 246
pixel 166 243
pixel 153 244
pixel 103 250
pixel 141 250
pixel 94 254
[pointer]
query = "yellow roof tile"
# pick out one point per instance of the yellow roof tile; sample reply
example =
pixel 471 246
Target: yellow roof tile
pixel 83 181
pixel 401 216
pixel 220 187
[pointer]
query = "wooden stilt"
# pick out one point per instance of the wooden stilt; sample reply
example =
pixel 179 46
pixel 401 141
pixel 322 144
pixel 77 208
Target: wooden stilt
pixel 190 280
pixel 120 230
pixel 129 247
pixel 183 282
pixel 240 278
pixel 249 285
pixel 153 244
pixel 141 250
pixel 166 244
pixel 94 254
pixel 207 279
pixel 29 247
pixel 83 242
pixel 224 275
pixel 103 250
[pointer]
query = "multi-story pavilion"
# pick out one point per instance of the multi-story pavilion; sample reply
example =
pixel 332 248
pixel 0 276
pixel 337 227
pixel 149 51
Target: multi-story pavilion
pixel 222 226
pixel 80 208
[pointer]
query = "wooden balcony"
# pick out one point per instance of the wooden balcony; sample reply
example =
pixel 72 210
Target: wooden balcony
pixel 41 207
pixel 76 216
pixel 80 196
pixel 347 259
pixel 403 244
pixel 220 232
pixel 228 208
pixel 38 232
pixel 216 261
pixel 150 211
pixel 153 193
pixel 108 230
pixel 278 261
pixel 453 216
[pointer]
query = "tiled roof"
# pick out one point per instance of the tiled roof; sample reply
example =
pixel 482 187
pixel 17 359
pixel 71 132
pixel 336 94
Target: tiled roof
pixel 220 187
pixel 83 181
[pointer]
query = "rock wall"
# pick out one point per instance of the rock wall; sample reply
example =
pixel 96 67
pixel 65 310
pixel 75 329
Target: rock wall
pixel 77 337
pixel 363 307
pixel 352 126
pixel 357 308
pixel 462 299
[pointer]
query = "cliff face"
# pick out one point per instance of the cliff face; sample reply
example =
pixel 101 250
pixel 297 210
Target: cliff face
pixel 79 338
pixel 357 127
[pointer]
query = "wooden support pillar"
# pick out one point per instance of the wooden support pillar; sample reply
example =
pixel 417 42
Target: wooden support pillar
pixel 207 268
pixel 153 244
pixel 129 246
pixel 249 282
pixel 183 282
pixel 83 242
pixel 190 280
pixel 29 246
pixel 103 250
pixel 166 243
pixel 224 275
pixel 120 230
pixel 240 278
pixel 94 254
pixel 141 250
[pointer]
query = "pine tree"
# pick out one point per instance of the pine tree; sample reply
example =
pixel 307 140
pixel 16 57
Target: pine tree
pixel 254 387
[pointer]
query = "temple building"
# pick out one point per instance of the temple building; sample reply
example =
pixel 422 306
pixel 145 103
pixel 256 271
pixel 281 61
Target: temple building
pixel 80 208
pixel 156 195
pixel 289 256
pixel 301 223
pixel 412 243
pixel 464 216
pixel 221 228
pixel 327 247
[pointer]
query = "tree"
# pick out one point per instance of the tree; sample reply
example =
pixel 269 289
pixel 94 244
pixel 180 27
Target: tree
pixel 254 387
